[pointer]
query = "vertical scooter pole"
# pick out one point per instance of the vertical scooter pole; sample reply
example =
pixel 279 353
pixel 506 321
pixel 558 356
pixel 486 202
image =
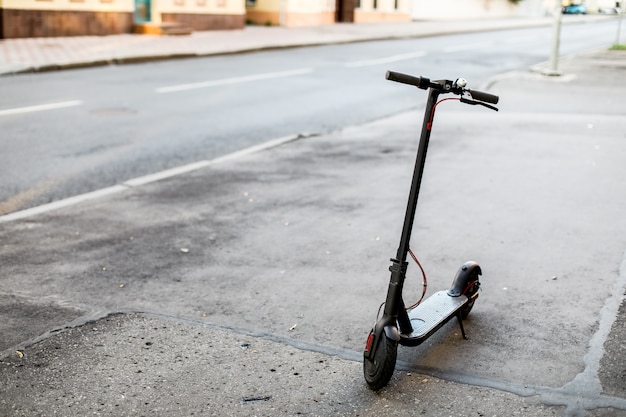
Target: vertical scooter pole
pixel 394 305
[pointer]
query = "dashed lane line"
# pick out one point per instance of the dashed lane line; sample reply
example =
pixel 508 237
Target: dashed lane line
pixel 385 60
pixel 234 80
pixel 40 107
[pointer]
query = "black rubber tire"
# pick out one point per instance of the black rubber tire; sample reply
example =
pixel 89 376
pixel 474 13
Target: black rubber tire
pixel 379 369
pixel 470 293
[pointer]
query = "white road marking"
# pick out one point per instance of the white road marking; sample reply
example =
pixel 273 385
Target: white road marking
pixel 158 176
pixel 147 179
pixel 62 203
pixel 234 80
pixel 385 60
pixel 41 107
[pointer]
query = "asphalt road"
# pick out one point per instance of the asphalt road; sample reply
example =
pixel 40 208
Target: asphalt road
pixel 291 246
pixel 109 125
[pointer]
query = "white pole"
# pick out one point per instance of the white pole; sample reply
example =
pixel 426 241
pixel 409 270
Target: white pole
pixel 619 24
pixel 556 41
pixel 282 12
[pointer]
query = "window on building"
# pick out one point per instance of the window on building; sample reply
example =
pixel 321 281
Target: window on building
pixel 375 4
pixel 250 3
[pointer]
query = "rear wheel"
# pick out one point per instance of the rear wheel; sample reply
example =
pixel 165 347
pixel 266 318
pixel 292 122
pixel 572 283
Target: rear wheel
pixel 472 294
pixel 379 367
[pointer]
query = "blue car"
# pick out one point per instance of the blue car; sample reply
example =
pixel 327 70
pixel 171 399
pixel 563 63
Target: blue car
pixel 575 9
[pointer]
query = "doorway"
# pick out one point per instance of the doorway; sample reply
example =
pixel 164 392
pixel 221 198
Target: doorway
pixel 344 10
pixel 142 11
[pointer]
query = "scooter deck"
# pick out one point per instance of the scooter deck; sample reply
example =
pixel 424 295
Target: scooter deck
pixel 431 315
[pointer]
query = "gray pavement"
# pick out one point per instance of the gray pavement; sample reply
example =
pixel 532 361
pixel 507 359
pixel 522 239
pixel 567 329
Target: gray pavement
pixel 124 353
pixel 138 365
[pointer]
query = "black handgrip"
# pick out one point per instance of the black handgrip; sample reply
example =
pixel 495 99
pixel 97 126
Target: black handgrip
pixel 486 97
pixel 406 79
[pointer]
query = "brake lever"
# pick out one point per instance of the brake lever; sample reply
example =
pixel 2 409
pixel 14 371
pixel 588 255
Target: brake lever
pixel 475 102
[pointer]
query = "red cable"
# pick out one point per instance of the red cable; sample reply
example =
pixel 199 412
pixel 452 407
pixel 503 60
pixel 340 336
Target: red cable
pixel 432 113
pixel 423 276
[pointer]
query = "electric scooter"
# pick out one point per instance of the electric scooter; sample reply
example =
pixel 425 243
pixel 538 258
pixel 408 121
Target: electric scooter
pixel 412 326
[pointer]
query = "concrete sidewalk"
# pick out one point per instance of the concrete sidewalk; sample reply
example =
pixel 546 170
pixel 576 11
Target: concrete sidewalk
pixel 46 54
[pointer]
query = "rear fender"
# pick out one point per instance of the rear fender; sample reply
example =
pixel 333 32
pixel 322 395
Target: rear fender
pixel 469 272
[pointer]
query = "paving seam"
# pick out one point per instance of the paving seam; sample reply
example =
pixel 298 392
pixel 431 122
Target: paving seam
pixel 576 402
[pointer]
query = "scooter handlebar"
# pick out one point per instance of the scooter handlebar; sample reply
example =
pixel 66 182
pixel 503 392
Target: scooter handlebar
pixel 419 82
pixel 486 97
pixel 425 83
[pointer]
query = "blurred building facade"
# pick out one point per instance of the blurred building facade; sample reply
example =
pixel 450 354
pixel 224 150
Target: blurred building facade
pixel 483 9
pixel 31 18
pixel 202 14
pixel 41 18
pixel 292 13
pixel 475 9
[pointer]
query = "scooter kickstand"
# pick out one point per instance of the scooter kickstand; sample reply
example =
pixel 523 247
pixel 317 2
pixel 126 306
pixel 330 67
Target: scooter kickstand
pixel 460 320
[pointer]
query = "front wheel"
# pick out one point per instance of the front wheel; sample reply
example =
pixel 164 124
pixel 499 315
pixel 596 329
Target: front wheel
pixel 379 367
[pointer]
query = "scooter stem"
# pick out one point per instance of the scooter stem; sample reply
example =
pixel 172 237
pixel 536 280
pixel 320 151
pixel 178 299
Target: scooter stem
pixel 394 305
pixel 403 249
